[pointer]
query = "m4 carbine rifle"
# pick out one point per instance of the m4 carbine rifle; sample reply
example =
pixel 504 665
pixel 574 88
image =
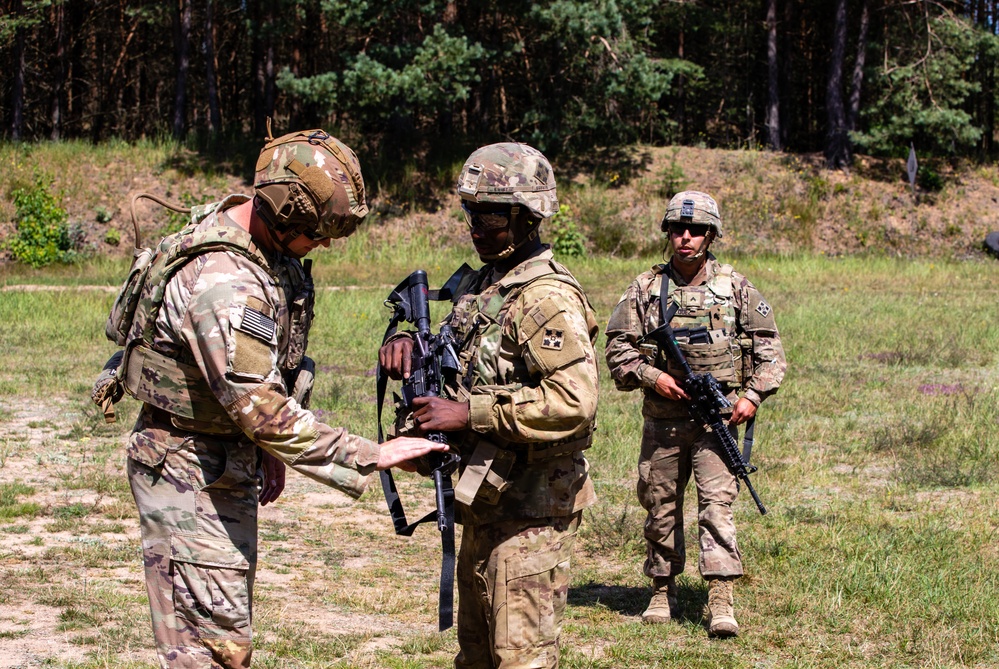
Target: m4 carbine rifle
pixel 706 400
pixel 433 364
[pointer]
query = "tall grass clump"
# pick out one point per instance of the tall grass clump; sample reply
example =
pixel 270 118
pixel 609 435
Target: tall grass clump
pixel 947 440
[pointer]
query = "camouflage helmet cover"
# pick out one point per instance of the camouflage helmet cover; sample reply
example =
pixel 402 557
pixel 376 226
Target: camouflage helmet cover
pixel 510 173
pixel 694 207
pixel 313 180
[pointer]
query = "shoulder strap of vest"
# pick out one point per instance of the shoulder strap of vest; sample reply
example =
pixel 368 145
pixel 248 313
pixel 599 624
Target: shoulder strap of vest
pixel 177 250
pixel 538 269
pixel 721 282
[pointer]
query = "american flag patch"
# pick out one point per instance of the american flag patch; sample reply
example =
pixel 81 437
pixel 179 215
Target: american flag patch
pixel 257 324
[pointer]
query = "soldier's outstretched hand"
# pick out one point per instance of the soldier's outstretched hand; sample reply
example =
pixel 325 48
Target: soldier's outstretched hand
pixel 396 358
pixel 397 452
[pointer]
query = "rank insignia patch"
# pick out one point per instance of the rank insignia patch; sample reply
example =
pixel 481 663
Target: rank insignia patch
pixel 553 339
pixel 763 309
pixel 257 324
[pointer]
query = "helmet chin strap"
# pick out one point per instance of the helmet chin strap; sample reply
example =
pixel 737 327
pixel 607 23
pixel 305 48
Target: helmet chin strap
pixel 290 233
pixel 512 247
pixel 509 250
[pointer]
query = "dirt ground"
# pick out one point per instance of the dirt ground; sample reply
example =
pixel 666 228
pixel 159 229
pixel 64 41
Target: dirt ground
pixel 302 558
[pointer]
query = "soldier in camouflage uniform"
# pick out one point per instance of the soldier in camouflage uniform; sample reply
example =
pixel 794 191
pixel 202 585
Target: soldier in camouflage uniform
pixel 215 351
pixel 521 418
pixel 744 354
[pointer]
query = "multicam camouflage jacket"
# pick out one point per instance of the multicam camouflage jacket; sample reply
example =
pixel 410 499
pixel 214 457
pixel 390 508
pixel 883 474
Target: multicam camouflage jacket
pixel 530 377
pixel 741 345
pixel 217 356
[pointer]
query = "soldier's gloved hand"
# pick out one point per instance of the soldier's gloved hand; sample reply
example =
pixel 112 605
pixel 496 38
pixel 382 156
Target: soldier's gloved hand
pixel 667 386
pixel 272 472
pixel 743 411
pixel 433 414
pixel 396 357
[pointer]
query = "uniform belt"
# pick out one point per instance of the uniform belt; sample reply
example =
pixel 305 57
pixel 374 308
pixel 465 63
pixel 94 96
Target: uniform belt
pixel 163 416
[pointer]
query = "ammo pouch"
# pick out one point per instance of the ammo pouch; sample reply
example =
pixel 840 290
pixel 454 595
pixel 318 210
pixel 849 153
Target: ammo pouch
pixel 718 358
pixel 301 380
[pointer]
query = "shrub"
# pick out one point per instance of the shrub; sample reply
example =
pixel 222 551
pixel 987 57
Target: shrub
pixel 42 234
pixel 567 239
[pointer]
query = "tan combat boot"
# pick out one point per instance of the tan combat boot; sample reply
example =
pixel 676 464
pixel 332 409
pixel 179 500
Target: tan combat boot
pixel 663 601
pixel 721 614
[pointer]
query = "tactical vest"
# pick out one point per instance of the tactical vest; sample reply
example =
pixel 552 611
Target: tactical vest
pixel 176 385
pixel 478 321
pixel 710 306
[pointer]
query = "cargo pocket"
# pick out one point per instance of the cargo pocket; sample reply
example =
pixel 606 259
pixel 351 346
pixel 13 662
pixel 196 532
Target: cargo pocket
pixel 210 588
pixel 150 452
pixel 536 590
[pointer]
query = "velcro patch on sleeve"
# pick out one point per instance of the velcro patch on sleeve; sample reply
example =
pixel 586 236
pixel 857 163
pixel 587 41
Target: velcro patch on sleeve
pixel 763 309
pixel 555 345
pixel 254 350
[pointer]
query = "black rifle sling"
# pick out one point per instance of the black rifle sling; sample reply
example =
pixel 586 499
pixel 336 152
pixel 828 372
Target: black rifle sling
pixel 445 603
pixel 667 314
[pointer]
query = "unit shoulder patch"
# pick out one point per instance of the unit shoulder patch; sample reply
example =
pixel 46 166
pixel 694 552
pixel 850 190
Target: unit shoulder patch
pixel 763 309
pixel 553 339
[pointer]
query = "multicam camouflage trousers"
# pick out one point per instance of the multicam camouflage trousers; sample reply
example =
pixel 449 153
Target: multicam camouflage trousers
pixel 198 510
pixel 672 449
pixel 513 581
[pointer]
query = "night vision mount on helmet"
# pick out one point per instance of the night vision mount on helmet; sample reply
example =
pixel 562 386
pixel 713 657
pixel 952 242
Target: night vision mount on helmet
pixel 693 206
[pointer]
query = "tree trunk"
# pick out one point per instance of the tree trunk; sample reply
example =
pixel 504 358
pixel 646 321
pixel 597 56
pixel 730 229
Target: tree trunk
pixel 857 81
pixel 17 89
pixel 215 114
pixel 773 87
pixel 59 73
pixel 263 65
pixel 182 56
pixel 837 141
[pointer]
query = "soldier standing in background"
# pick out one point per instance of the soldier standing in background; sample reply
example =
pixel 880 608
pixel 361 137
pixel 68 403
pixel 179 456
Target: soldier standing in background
pixel 744 353
pixel 521 418
pixel 215 351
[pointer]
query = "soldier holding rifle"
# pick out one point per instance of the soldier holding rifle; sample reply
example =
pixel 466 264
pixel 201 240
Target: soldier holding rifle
pixel 724 327
pixel 520 413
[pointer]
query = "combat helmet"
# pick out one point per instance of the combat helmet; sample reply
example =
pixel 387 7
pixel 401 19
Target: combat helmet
pixel 309 182
pixel 512 174
pixel 693 206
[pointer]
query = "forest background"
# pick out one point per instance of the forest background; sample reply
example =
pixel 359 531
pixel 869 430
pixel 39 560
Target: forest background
pixel 410 80
pixel 821 101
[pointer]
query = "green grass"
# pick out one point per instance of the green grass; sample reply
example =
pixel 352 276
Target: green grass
pixel 878 461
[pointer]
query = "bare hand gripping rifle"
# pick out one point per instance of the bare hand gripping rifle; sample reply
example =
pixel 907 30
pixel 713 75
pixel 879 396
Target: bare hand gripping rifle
pixel 434 363
pixel 706 403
